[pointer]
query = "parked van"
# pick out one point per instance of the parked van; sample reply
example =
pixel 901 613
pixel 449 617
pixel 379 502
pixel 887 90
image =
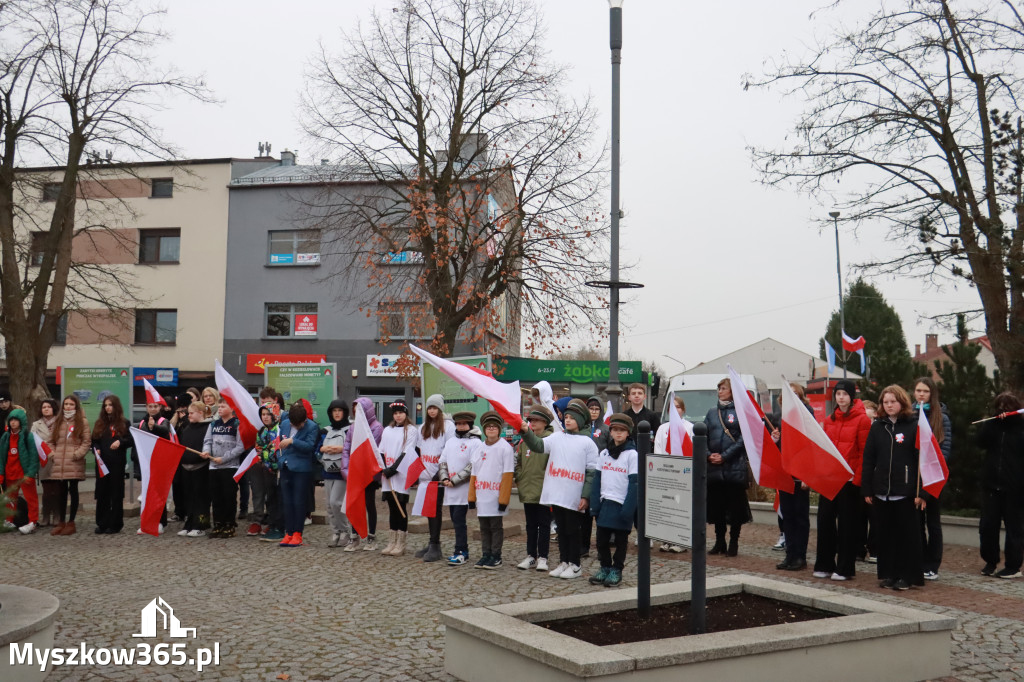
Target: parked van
pixel 700 393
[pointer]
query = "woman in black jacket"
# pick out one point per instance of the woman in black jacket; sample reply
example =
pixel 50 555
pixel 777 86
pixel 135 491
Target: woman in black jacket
pixel 891 484
pixel 1002 495
pixel 727 472
pixel 111 440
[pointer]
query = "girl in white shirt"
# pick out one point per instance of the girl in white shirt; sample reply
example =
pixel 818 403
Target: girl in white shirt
pixel 434 433
pixel 398 449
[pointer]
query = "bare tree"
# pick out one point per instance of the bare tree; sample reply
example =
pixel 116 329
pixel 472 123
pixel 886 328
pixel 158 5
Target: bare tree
pixel 913 121
pixel 75 75
pixel 477 191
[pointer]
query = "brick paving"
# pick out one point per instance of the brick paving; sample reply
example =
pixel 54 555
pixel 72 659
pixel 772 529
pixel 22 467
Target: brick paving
pixel 322 614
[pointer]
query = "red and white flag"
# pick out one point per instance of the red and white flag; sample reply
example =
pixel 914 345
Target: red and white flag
pixel 152 395
pixel 363 464
pixel 607 414
pixel 504 398
pixel 101 466
pixel 239 400
pixel 807 452
pixel 680 431
pixel 412 474
pixel 932 464
pixel 426 500
pixel 246 464
pixel 158 460
pixel 43 449
pixel 853 345
pixel 762 452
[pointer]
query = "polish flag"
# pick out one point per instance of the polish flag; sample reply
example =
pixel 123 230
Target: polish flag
pixel 239 400
pixel 152 395
pixel 679 431
pixel 412 474
pixel 504 398
pixel 246 464
pixel 762 452
pixel 607 414
pixel 807 452
pixel 930 460
pixel 364 463
pixel 101 466
pixel 853 345
pixel 158 460
pixel 42 449
pixel 426 500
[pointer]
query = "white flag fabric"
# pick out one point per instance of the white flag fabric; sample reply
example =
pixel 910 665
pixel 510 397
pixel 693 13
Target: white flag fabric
pixel 807 451
pixel 241 402
pixel 504 398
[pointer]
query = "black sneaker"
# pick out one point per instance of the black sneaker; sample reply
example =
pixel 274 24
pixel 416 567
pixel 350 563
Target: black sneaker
pixel 493 563
pixel 1008 573
pixel 484 560
pixel 989 569
pixel 888 584
pixel 901 585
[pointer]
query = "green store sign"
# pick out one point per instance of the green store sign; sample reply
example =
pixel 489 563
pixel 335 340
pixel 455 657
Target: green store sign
pixel 572 371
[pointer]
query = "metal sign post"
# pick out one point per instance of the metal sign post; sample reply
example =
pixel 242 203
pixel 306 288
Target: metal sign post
pixel 698 574
pixel 643 571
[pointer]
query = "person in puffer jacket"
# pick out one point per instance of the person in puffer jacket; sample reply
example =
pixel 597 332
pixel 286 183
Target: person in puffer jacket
pixel 335 463
pixel 19 465
pixel 727 472
pixel 839 520
pixel 223 447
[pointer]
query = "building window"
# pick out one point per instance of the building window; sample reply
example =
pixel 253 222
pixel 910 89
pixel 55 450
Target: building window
pixel 402 321
pixel 291 319
pixel 156 326
pixel 51 190
pixel 294 247
pixel 162 188
pixel 61 338
pixel 38 248
pixel 159 246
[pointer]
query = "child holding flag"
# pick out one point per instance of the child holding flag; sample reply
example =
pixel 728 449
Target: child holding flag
pixel 369 497
pixel 194 471
pixel 529 477
pixel 454 470
pixel 19 466
pixel 399 438
pixel 435 432
pixel 111 440
pixel 268 441
pixel 223 447
pixel 613 499
pixel 490 489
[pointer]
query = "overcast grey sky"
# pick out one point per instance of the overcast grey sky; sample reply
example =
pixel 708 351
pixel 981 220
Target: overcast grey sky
pixel 725 261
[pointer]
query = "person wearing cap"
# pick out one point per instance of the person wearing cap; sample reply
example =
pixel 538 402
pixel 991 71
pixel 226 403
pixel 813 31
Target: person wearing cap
pixel 398 449
pixel 613 499
pixel 454 469
pixel 490 489
pixel 6 407
pixel 435 432
pixel 529 478
pixel 839 535
pixel 572 459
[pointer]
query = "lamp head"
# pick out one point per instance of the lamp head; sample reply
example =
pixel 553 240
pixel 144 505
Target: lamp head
pixel 834 214
pixel 615 4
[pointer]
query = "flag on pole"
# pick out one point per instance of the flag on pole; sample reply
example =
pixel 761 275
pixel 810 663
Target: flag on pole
pixel 246 464
pixel 152 395
pixel 42 449
pixel 830 354
pixel 241 403
pixel 762 452
pixel 930 460
pixel 504 398
pixel 543 391
pixel 101 466
pixel 608 412
pixel 807 452
pixel 863 361
pixel 853 345
pixel 426 500
pixel 679 431
pixel 364 463
pixel 158 460
pixel 412 474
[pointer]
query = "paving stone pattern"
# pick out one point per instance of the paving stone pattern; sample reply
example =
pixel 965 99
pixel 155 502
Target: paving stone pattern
pixel 315 613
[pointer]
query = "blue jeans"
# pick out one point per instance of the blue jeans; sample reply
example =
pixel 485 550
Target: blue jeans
pixel 294 489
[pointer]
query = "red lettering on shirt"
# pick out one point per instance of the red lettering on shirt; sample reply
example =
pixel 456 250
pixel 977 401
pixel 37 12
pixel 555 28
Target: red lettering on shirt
pixel 488 485
pixel 559 472
pixel 610 466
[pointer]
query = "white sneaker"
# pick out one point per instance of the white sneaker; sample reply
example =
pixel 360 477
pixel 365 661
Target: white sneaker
pixel 183 532
pixel 836 576
pixel 573 571
pixel 557 573
pixel 139 532
pixel 335 540
pixel 822 574
pixel 160 529
pixel 307 522
pixel 27 528
pixel 8 524
pixel 527 563
pixel 542 564
pixel 931 575
pixel 780 546
pixel 353 545
pixel 197 533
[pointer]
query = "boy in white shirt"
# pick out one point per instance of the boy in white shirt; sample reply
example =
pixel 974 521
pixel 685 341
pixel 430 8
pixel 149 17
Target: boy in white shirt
pixel 455 468
pixel 490 488
pixel 613 500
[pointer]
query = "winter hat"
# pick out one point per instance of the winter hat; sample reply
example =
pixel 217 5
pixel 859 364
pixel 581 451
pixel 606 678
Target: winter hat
pixel 273 418
pixel 436 400
pixel 579 410
pixel 845 385
pixel 468 417
pixel 399 406
pixel 594 399
pixel 5 394
pixel 541 412
pixel 621 419
pixel 491 417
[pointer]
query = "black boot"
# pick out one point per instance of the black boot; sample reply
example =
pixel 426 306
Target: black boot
pixel 719 547
pixel 734 541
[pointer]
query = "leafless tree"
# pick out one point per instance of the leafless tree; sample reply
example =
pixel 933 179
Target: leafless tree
pixel 476 182
pixel 912 120
pixel 75 78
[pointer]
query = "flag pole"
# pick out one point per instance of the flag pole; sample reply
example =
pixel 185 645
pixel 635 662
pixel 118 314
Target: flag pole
pixel 402 511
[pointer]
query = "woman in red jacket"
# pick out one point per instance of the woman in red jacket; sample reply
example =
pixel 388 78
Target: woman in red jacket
pixel 838 534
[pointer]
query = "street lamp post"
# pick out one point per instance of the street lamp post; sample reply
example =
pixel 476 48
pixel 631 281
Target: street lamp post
pixel 615 42
pixel 839 278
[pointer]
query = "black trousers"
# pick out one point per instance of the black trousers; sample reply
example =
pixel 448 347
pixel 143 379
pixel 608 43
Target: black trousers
pixel 68 489
pixel 178 496
pixel 568 521
pixel 396 519
pixel 839 532
pixel 224 496
pixel 898 535
pixel 586 532
pixel 110 499
pixel 370 497
pixel 931 533
pixel 275 505
pixel 195 489
pixel 606 537
pixel 434 522
pixel 796 522
pixel 458 513
pixel 1002 506
pixel 492 535
pixel 538 529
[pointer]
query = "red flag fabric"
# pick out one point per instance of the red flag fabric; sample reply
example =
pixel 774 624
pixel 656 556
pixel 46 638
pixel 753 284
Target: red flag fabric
pixel 158 460
pixel 807 452
pixel 42 449
pixel 504 398
pixel 246 464
pixel 412 474
pixel 608 412
pixel 762 452
pixel 241 403
pixel 853 345
pixel 152 395
pixel 932 464
pixel 363 464
pixel 101 467
pixel 426 500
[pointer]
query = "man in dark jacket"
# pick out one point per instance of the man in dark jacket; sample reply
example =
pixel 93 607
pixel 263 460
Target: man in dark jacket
pixel 1003 487
pixel 638 412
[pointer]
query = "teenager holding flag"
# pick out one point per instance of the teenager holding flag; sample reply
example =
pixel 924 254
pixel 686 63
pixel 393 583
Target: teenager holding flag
pixel 490 488
pixel 42 428
pixel 194 471
pixel 795 505
pixel 926 397
pixel 398 449
pixel 435 432
pixel 223 447
pixel 111 440
pixel 369 412
pixel 70 443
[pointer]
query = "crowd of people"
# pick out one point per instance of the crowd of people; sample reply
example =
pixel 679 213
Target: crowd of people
pixel 573 469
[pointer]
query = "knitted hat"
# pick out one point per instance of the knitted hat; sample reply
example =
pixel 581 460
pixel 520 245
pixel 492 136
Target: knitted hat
pixel 621 419
pixel 580 411
pixel 436 400
pixel 491 417
pixel 468 417
pixel 5 394
pixel 541 412
pixel 399 406
pixel 845 385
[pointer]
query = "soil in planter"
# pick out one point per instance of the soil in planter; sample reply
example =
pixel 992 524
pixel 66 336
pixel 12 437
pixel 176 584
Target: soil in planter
pixel 732 612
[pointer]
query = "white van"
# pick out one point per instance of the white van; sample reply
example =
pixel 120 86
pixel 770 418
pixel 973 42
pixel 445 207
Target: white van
pixel 700 393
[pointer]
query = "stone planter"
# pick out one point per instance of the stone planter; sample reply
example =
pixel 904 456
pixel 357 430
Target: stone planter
pixel 27 616
pixel 868 640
